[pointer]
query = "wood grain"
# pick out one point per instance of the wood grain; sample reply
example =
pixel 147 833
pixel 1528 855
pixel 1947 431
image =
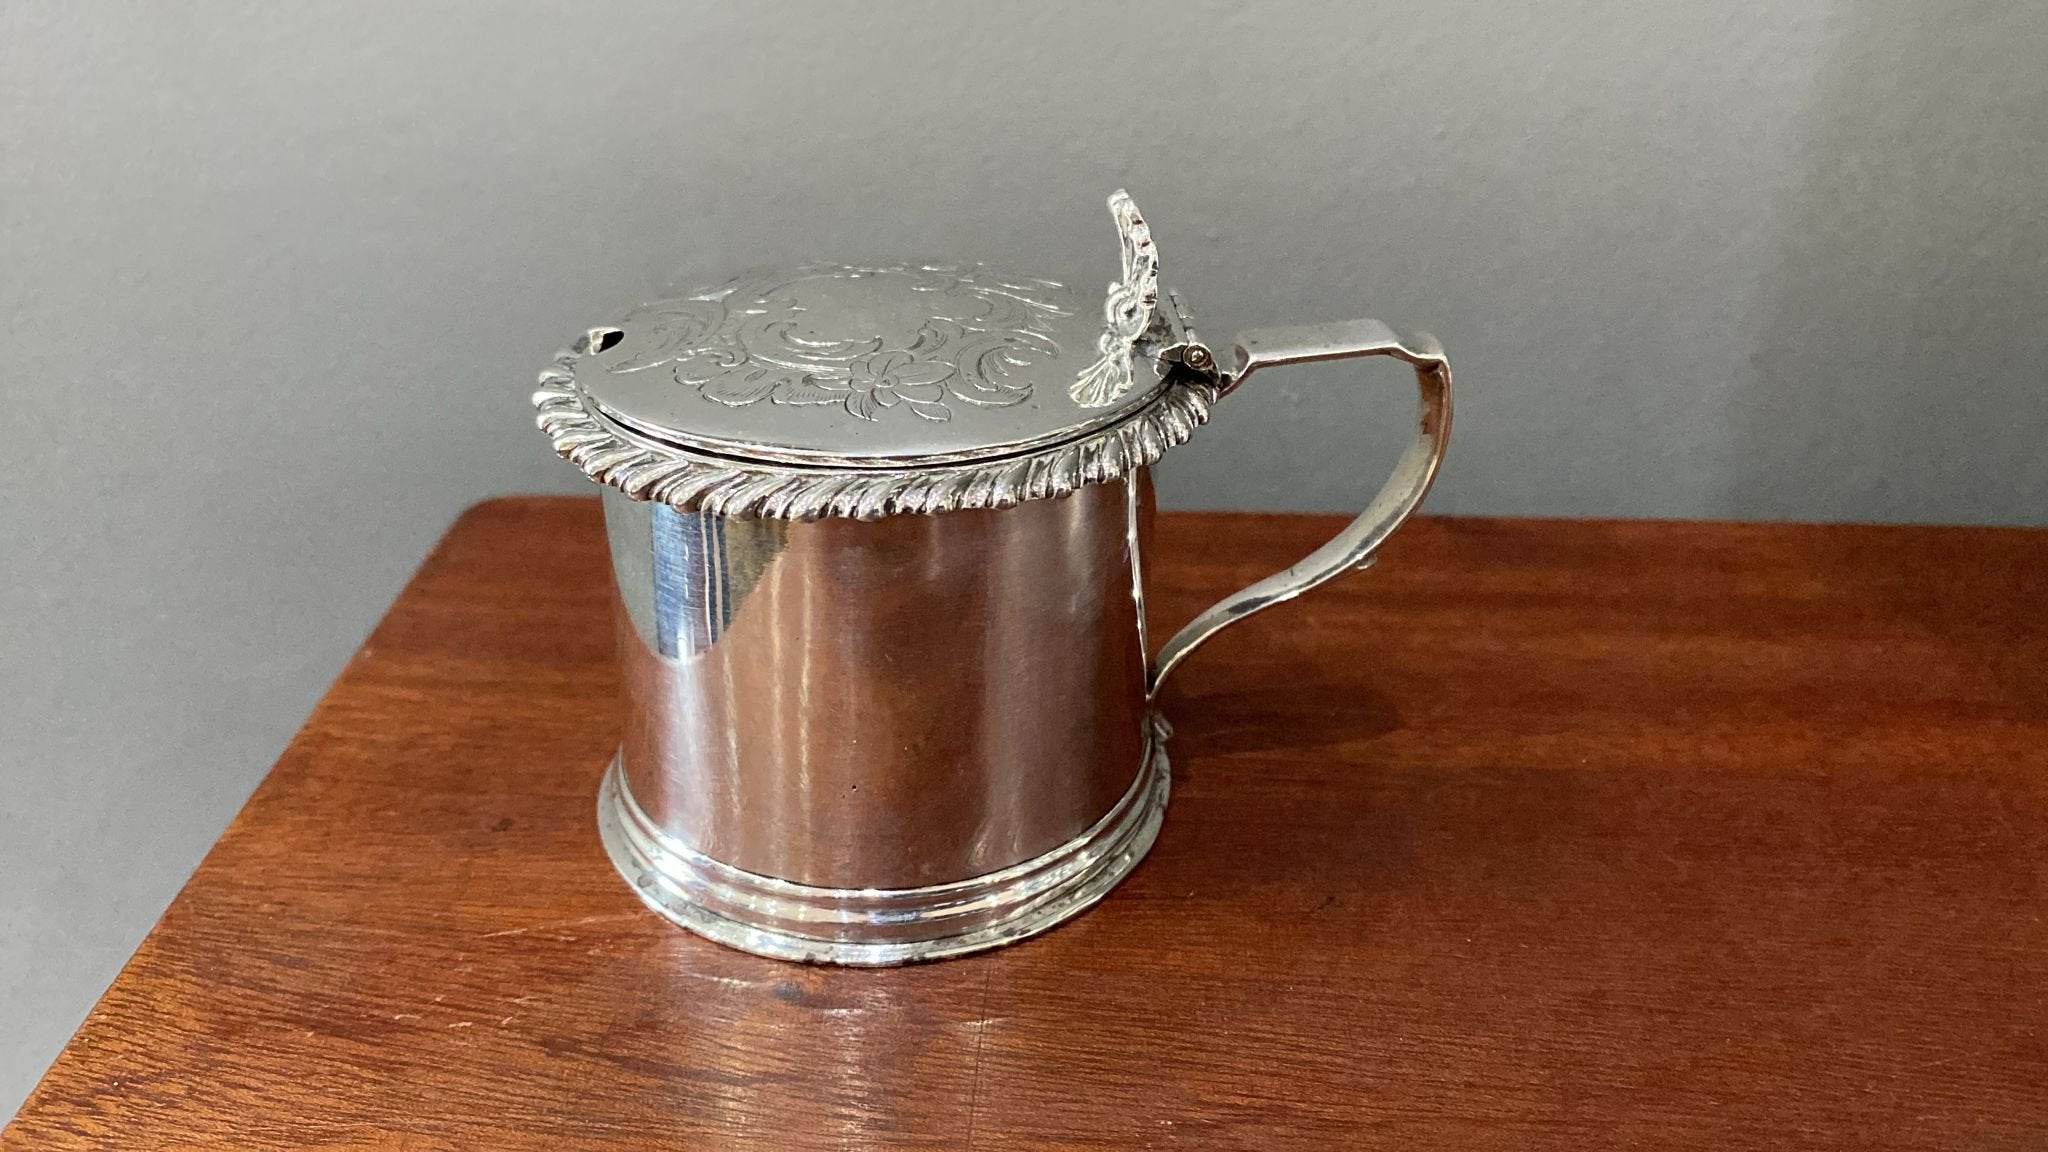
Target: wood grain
pixel 1543 835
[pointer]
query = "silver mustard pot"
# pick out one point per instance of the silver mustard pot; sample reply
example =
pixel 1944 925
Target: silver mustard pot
pixel 878 535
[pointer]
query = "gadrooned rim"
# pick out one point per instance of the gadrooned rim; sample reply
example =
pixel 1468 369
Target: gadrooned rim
pixel 647 469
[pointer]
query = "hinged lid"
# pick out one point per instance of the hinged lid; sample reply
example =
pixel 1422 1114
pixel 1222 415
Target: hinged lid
pixel 845 390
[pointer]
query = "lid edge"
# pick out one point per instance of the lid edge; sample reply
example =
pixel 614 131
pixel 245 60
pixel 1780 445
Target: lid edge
pixel 690 480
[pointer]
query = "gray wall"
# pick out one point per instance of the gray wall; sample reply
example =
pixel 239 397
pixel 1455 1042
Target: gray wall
pixel 276 280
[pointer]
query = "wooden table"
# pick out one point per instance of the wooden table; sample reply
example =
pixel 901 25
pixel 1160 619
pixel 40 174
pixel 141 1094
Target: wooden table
pixel 1544 835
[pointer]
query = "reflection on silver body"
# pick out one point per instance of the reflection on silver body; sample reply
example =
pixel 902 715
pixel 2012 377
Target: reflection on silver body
pixel 879 537
pixel 816 711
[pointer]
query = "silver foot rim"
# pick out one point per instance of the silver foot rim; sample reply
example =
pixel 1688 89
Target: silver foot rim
pixel 875 927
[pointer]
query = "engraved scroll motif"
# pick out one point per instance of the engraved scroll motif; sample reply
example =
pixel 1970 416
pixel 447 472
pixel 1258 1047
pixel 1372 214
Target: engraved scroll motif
pixel 975 336
pixel 1126 312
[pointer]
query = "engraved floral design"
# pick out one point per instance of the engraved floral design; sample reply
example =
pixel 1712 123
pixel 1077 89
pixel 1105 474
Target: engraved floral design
pixel 863 387
pixel 653 334
pixel 887 378
pixel 728 377
pixel 756 340
pixel 980 339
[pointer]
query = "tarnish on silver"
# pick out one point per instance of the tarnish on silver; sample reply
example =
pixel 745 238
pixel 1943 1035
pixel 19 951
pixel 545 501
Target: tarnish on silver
pixel 1357 544
pixel 1126 313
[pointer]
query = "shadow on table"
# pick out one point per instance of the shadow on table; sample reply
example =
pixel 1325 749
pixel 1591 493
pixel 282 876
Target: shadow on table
pixel 1250 718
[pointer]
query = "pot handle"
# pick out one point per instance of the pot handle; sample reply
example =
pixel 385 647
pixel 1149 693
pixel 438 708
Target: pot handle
pixel 1356 545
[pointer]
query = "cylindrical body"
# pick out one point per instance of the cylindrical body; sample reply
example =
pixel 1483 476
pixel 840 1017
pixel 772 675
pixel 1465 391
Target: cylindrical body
pixel 878 532
pixel 872 741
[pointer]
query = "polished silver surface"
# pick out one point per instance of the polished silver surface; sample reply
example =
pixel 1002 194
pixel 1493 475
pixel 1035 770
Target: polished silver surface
pixel 851 364
pixel 1399 496
pixel 769 916
pixel 842 364
pixel 878 537
pixel 865 391
pixel 1126 312
pixel 903 706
